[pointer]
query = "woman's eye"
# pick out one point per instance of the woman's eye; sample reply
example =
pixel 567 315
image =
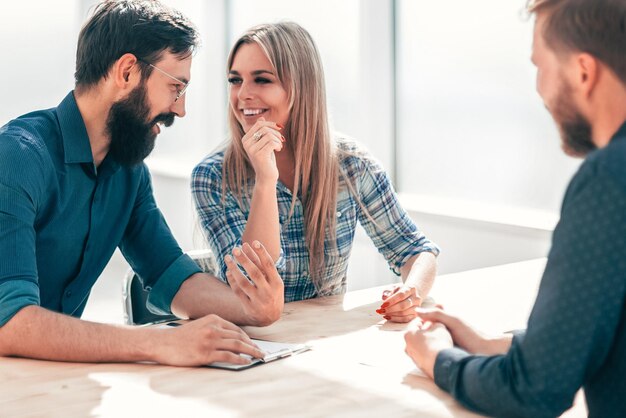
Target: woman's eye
pixel 234 80
pixel 261 80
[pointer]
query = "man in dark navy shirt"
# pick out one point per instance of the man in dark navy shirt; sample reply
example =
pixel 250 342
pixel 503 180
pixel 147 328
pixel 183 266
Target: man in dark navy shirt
pixel 576 334
pixel 73 188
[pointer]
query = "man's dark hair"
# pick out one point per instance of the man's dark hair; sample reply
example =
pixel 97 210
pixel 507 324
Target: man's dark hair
pixel 144 28
pixel 597 27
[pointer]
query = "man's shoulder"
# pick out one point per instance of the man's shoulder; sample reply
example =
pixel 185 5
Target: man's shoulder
pixel 609 161
pixel 29 132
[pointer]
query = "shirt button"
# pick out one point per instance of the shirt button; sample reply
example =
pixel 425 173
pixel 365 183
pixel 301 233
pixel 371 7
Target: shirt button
pixel 339 214
pixel 68 294
pixel 305 273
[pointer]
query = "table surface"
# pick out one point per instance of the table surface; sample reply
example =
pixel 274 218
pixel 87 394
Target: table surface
pixel 357 365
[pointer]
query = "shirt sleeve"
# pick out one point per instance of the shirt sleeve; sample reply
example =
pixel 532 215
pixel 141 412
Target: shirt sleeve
pixel 152 251
pixel 573 322
pixel 222 220
pixel 388 225
pixel 22 181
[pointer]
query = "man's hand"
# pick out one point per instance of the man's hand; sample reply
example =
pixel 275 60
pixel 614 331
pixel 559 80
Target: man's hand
pixel 262 295
pixel 464 336
pixel 204 341
pixel 399 303
pixel 424 342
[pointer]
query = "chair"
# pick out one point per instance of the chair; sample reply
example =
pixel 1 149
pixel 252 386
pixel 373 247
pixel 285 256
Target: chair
pixel 135 295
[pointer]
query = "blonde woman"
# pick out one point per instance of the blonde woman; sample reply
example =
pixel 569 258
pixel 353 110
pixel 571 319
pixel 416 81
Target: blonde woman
pixel 283 180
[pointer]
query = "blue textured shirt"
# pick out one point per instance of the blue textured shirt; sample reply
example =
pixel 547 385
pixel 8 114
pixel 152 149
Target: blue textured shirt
pixel 576 334
pixel 394 233
pixel 61 218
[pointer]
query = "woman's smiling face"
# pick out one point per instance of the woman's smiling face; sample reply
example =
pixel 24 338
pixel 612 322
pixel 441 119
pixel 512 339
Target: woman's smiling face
pixel 255 90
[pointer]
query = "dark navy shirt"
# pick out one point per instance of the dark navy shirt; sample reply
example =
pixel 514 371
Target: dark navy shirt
pixel 576 334
pixel 61 218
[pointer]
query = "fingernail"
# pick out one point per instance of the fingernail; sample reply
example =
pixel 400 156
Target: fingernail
pixel 282 137
pixel 384 305
pixel 228 259
pixel 387 317
pixel 256 244
pixel 237 251
pixel 381 311
pixel 279 126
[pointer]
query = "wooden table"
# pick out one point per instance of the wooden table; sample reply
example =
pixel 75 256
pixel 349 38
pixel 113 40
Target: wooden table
pixel 357 366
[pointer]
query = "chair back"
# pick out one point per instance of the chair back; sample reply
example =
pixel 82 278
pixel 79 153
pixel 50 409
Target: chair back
pixel 135 295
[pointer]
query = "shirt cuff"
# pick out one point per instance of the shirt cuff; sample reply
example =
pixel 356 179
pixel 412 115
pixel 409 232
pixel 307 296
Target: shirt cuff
pixel 15 295
pixel 447 367
pixel 166 287
pixel 428 247
pixel 281 263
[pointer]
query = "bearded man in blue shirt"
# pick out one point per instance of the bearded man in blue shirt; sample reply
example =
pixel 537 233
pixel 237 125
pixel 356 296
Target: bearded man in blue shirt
pixel 576 334
pixel 73 188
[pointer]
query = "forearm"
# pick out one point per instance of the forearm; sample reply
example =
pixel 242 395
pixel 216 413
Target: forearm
pixel 202 294
pixel 420 271
pixel 263 221
pixel 35 332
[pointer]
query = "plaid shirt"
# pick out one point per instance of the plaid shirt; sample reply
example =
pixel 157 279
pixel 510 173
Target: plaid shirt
pixel 394 233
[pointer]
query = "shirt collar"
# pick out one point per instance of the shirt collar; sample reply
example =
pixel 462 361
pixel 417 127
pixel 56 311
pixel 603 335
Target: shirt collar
pixel 74 133
pixel 621 132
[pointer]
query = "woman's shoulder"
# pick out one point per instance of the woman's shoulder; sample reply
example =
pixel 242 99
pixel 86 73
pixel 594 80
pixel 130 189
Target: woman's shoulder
pixel 210 166
pixel 353 155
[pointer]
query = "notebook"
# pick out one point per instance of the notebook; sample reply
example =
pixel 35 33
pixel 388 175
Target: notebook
pixel 274 351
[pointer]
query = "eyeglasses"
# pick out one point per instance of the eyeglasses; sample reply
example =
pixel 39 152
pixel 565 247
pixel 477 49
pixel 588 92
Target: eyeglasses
pixel 180 91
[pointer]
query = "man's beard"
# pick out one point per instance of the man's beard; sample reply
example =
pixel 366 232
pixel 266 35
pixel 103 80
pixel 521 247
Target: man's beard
pixel 131 134
pixel 574 128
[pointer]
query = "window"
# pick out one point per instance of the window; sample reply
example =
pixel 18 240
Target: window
pixel 470 124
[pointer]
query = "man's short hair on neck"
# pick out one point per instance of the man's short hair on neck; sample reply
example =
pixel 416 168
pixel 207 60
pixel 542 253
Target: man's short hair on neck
pixel 597 27
pixel 144 28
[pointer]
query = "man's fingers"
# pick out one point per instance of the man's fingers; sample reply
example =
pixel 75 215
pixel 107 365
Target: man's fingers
pixel 237 346
pixel 226 333
pixel 437 315
pixel 232 331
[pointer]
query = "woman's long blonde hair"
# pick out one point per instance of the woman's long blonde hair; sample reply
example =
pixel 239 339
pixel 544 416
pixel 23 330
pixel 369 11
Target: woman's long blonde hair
pixel 296 60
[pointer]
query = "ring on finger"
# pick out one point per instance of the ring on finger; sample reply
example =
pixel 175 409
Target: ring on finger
pixel 257 135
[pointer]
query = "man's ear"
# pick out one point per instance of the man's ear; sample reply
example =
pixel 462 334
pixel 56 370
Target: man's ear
pixel 125 72
pixel 587 73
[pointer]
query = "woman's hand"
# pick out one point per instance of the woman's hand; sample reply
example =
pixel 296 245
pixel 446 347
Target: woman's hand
pixel 260 143
pixel 399 303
